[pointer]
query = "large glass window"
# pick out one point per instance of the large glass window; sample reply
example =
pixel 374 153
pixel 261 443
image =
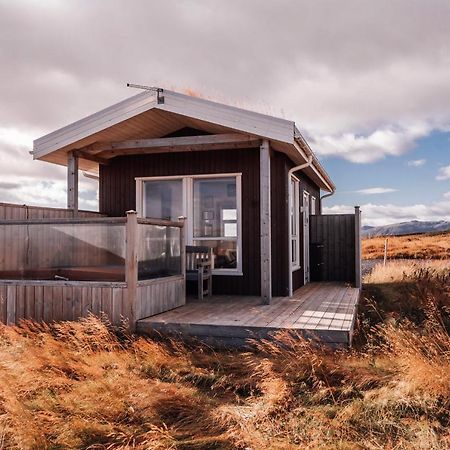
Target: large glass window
pixel 215 212
pixel 163 199
pixel 212 206
pixel 216 218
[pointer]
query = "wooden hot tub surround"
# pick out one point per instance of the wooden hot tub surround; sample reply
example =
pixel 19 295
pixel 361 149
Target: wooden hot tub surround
pixel 79 272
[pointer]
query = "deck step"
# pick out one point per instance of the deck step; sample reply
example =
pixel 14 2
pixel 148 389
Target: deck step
pixel 236 334
pixel 319 311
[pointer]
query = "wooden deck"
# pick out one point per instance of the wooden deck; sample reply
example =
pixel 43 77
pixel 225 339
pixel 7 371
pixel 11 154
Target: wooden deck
pixel 324 311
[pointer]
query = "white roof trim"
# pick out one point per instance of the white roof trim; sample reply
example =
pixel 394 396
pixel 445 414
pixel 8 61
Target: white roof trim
pixel 228 116
pixel 94 123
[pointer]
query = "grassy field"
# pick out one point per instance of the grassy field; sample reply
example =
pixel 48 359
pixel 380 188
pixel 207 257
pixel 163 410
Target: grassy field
pixel 420 246
pixel 83 385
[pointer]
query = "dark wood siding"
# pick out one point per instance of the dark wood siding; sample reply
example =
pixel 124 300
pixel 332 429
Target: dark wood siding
pixel 118 194
pixel 337 235
pixel 281 165
pixel 279 215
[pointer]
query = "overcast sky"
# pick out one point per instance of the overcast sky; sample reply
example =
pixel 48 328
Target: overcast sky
pixel 368 83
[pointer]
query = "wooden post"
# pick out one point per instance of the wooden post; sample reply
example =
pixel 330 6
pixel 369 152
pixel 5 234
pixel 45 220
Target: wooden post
pixel 183 252
pixel 357 247
pixel 11 305
pixel 385 251
pixel 131 268
pixel 72 183
pixel 265 223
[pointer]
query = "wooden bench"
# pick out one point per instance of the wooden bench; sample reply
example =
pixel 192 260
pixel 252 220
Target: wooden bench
pixel 199 268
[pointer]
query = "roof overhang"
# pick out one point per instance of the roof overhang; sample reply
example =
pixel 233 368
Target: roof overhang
pixel 149 116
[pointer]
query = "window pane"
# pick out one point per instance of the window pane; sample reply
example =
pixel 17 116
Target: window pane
pixel 229 214
pixel 214 205
pixel 163 199
pixel 159 252
pixel 225 253
pixel 294 251
pixel 230 229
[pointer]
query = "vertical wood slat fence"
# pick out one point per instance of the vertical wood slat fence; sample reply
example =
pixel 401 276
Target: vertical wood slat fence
pixel 335 240
pixel 10 211
pixel 133 299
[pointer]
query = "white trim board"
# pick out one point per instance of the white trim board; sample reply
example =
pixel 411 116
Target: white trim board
pixel 228 116
pixel 92 124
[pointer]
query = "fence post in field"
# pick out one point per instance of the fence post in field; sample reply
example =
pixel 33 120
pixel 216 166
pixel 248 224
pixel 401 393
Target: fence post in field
pixel 386 242
pixel 131 268
pixel 357 247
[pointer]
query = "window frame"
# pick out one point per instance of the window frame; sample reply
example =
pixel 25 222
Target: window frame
pixel 294 218
pixel 188 211
pixel 312 206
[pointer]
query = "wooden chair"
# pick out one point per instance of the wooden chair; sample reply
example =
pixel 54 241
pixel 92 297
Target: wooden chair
pixel 199 268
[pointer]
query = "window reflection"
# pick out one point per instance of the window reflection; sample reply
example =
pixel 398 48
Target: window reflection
pixel 164 199
pixel 215 207
pixel 225 253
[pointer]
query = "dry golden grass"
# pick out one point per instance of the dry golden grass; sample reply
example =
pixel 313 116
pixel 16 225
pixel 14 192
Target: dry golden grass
pixel 420 246
pixel 85 385
pixel 397 271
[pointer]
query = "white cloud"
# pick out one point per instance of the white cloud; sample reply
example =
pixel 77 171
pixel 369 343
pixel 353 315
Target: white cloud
pixel 359 87
pixel 417 162
pixel 15 137
pixel 375 190
pixel 372 147
pixel 444 173
pixel 26 181
pixel 32 191
pixel 446 194
pixel 373 214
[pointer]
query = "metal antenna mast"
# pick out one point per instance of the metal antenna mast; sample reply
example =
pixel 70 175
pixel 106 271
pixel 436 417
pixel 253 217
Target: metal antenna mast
pixel 159 91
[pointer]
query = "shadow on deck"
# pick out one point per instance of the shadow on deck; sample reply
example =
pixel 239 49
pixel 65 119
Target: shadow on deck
pixel 324 311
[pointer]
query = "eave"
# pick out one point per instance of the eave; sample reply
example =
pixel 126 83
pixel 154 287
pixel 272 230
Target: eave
pixel 143 117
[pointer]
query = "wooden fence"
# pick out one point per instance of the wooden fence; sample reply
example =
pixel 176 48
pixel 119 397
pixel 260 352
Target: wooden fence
pixel 336 247
pixel 10 211
pixel 49 301
pixel 131 299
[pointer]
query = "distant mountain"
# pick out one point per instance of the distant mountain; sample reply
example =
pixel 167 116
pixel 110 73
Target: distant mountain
pixel 413 227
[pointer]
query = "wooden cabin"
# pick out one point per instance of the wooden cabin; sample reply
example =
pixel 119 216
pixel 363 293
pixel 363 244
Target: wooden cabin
pixel 245 184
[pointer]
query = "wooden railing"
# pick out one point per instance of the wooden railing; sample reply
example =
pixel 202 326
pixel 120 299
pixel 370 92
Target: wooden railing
pixel 63 299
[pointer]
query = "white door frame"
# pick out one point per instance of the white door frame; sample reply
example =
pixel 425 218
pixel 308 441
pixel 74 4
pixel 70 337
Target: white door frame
pixel 306 253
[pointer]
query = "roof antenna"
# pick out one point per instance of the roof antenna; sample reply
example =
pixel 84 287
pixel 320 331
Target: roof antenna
pixel 159 91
